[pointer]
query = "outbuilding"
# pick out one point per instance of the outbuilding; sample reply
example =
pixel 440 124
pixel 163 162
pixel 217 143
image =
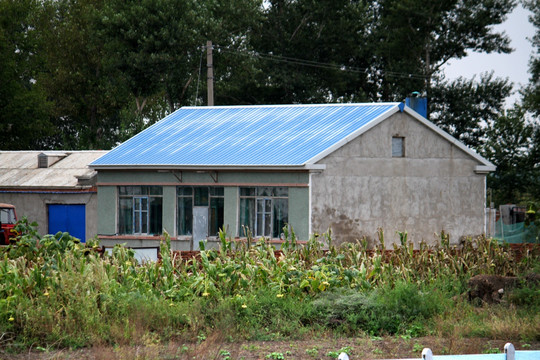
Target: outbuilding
pixel 56 189
pixel 352 168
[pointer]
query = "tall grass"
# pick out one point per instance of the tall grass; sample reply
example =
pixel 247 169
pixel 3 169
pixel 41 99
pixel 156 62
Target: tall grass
pixel 57 291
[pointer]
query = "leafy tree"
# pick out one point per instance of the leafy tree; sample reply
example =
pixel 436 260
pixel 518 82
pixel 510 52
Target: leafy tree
pixel 24 109
pixel 305 52
pixel 509 147
pixel 416 38
pixel 466 107
pixel 87 102
pixel 532 91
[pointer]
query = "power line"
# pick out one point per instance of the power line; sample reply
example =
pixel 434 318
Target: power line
pixel 316 64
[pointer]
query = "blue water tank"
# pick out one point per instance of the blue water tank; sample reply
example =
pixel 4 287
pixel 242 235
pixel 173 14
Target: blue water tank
pixel 418 104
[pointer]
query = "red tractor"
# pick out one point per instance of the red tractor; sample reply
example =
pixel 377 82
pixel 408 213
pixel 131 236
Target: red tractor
pixel 8 218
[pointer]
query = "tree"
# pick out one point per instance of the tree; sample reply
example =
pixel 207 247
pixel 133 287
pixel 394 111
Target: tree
pixel 87 102
pixel 416 38
pixel 308 51
pixel 24 109
pixel 509 148
pixel 465 108
pixel 531 94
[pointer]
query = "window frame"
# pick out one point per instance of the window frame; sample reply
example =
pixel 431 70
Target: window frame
pixel 137 194
pixel 208 201
pixel 256 195
pixel 401 145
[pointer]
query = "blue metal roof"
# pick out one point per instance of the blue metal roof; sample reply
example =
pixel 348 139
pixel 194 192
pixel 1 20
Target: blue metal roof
pixel 271 135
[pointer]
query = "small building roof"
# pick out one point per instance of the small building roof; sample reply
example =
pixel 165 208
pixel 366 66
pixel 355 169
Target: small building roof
pixel 65 170
pixel 260 136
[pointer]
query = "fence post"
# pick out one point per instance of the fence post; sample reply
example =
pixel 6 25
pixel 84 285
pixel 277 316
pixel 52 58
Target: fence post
pixel 510 351
pixel 427 354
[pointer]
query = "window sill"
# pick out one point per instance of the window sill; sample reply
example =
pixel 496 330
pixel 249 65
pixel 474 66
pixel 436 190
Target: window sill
pixel 131 237
pixel 270 241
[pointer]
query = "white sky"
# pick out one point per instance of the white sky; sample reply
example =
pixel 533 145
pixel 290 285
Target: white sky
pixel 513 65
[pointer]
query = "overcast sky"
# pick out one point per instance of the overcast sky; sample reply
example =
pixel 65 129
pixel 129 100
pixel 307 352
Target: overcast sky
pixel 513 65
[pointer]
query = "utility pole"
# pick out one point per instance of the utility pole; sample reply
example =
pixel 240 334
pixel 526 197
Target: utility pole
pixel 210 75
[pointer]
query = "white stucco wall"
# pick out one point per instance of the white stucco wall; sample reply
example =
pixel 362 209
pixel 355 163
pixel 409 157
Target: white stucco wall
pixel 433 188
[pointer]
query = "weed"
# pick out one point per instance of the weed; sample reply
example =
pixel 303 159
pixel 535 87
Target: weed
pixel 491 350
pixel 275 356
pixel 55 290
pixel 313 352
pixel 335 354
pixel 225 354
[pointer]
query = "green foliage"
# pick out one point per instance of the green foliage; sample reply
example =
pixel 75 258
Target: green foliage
pixel 465 108
pixel 528 295
pixel 57 291
pixel 24 107
pixel 275 356
pixel 335 354
pixel 385 310
pixel 511 147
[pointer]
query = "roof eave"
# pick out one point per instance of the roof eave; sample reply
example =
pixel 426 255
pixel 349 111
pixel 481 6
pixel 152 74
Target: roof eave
pixel 156 167
pixel 485 167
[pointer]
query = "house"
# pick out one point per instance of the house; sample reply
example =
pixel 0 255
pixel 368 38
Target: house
pixel 353 168
pixel 56 189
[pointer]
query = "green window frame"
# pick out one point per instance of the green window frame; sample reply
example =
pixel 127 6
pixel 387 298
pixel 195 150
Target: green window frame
pixel 264 210
pixel 140 210
pixel 190 196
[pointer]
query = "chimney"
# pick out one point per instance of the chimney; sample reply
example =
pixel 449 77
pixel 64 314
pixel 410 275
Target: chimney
pixel 46 159
pixel 417 103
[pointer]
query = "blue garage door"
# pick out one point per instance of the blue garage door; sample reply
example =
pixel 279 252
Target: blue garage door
pixel 70 218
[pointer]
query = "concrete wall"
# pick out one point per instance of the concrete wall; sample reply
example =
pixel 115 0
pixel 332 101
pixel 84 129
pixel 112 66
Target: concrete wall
pixel 108 181
pixel 433 188
pixel 34 207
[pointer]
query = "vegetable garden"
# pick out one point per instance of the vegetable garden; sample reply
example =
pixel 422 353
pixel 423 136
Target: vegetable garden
pixel 55 291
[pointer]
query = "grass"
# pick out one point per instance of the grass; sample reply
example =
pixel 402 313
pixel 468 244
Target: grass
pixel 56 292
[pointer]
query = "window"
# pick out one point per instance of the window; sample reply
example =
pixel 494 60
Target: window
pixel 264 210
pixel 140 209
pixel 7 216
pixel 398 146
pixel 200 197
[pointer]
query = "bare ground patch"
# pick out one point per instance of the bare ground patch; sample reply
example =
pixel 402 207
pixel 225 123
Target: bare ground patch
pixel 317 349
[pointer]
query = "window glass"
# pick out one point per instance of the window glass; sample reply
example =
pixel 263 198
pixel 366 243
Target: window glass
pixel 264 191
pixel 184 191
pixel 266 213
pixel 247 214
pixel 185 215
pixel 247 191
pixel 216 215
pixel 7 216
pixel 188 197
pixel 156 215
pixel 398 149
pixel 200 196
pixel 216 191
pixel 154 190
pixel 140 209
pixel 281 216
pixel 125 216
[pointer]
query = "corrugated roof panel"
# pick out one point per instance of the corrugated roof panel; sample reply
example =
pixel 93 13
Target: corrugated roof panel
pixel 19 169
pixel 279 135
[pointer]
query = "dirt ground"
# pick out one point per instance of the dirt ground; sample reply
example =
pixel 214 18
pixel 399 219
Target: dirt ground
pixel 320 348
